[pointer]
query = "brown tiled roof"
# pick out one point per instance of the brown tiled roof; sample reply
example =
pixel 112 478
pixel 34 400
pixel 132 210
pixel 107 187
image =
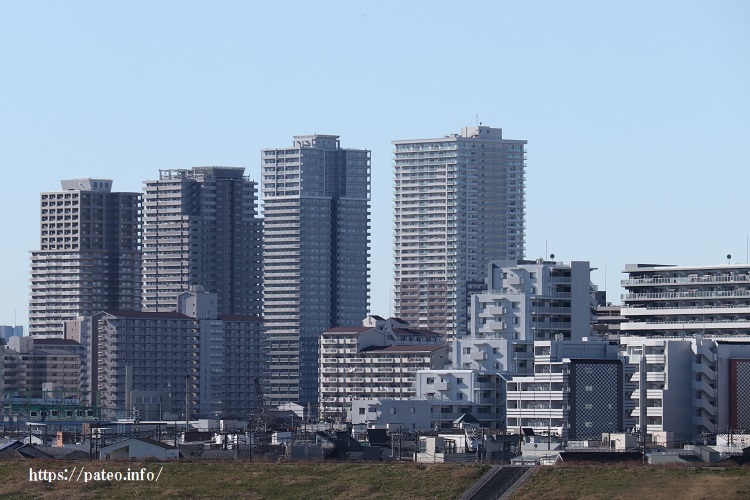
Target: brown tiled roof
pixel 415 331
pixel 55 342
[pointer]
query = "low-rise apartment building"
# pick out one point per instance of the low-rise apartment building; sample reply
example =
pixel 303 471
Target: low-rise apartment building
pixel 378 360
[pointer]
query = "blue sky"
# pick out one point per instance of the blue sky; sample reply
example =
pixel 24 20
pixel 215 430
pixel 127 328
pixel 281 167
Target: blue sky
pixel 636 113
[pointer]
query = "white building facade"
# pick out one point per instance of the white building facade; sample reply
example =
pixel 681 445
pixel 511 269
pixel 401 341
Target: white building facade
pixel 534 300
pixel 373 362
pixel 668 301
pixel 459 204
pixel 688 387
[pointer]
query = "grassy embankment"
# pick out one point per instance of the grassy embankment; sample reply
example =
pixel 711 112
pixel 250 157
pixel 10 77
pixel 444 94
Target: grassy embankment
pixel 636 481
pixel 299 480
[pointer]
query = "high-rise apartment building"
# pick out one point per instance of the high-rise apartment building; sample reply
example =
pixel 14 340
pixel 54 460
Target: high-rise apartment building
pixel 89 257
pixel 315 254
pixel 201 228
pixel 459 204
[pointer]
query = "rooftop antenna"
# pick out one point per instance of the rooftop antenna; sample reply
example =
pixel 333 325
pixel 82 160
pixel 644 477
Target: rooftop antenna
pixel 477 120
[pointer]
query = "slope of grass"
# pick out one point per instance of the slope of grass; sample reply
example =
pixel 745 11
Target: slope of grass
pixel 636 481
pixel 298 480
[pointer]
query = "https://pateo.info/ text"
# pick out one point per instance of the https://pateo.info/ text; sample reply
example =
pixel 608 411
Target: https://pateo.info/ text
pixel 83 475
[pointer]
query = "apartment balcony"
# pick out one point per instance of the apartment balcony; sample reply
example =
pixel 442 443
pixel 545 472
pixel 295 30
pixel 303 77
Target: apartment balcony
pixel 656 376
pixel 656 359
pixel 654 411
pixel 550 377
pixel 726 278
pixel 654 394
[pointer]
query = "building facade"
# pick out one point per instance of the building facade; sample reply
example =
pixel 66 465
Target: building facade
pixel 534 300
pixel 577 391
pixel 89 257
pixel 201 228
pixel 194 360
pixel 316 254
pixel 686 388
pixel 459 204
pixel 378 361
pixel 45 367
pixel 667 301
pixel 6 332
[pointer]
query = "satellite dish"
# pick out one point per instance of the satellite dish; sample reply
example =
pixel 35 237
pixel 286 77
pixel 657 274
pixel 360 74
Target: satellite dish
pixel 729 257
pixel 552 256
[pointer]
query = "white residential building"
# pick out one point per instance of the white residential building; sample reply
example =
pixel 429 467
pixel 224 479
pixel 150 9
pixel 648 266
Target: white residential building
pixel 669 301
pixel 378 361
pixel 575 393
pixel 459 204
pixel 688 387
pixel 534 300
pixel 454 393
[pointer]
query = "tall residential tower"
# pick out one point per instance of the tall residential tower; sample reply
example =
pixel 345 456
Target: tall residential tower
pixel 459 204
pixel 89 258
pixel 315 254
pixel 201 229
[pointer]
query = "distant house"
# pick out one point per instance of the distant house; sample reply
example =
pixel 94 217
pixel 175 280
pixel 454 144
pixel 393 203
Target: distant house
pixel 139 448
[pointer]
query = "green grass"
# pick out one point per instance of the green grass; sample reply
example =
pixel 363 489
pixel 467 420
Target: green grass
pixel 298 480
pixel 636 481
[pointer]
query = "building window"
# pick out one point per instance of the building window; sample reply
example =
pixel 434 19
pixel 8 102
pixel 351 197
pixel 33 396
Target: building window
pixel 460 395
pixel 362 411
pixel 430 380
pixel 459 381
pixel 467 350
pixel 392 411
pixel 412 410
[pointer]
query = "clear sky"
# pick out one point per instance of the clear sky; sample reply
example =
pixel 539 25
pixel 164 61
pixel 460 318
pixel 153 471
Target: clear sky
pixel 637 113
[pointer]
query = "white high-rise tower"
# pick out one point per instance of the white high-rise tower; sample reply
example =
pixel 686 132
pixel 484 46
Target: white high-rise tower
pixel 459 204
